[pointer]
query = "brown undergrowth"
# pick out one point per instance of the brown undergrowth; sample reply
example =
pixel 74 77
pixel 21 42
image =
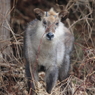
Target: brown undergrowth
pixel 81 22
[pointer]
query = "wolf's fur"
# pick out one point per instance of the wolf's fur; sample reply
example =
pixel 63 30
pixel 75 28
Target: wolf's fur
pixel 54 55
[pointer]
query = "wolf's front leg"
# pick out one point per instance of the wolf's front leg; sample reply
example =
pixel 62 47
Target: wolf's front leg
pixel 64 68
pixel 51 78
pixel 32 78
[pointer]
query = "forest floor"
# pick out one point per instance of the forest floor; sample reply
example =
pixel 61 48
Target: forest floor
pixel 81 22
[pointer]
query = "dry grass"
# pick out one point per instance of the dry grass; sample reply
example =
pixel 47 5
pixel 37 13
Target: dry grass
pixel 81 22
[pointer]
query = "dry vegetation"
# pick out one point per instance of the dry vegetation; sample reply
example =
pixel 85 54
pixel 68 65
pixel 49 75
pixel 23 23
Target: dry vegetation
pixel 81 22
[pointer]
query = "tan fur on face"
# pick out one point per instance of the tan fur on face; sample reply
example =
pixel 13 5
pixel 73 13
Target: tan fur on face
pixel 52 16
pixel 52 12
pixel 52 19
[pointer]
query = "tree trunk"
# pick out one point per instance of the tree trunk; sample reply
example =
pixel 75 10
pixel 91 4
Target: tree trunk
pixel 5 49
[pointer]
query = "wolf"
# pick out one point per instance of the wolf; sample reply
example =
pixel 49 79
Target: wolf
pixel 47 47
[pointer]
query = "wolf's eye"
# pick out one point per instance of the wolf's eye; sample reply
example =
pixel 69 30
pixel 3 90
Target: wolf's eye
pixel 57 23
pixel 44 22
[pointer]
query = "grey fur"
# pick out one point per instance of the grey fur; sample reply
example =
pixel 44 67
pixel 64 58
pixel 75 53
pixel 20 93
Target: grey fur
pixel 54 55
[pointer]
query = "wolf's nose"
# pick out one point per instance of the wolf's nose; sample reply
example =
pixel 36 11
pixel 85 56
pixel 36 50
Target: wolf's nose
pixel 50 35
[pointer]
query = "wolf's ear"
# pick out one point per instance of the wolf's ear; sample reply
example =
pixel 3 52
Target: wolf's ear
pixel 38 13
pixel 63 15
